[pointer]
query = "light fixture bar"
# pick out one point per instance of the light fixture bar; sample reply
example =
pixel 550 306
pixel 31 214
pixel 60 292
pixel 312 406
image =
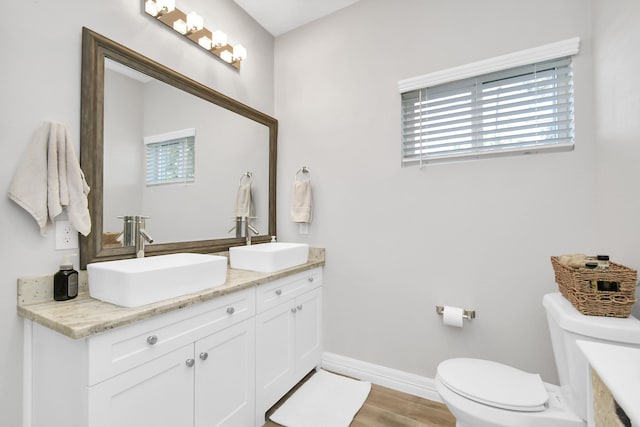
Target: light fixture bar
pixel 192 27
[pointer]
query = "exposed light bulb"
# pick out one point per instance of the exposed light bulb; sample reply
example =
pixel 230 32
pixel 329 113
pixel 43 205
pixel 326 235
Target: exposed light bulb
pixel 239 52
pixel 205 42
pixel 218 38
pixel 180 26
pixel 226 56
pixel 194 22
pixel 166 6
pixel 151 7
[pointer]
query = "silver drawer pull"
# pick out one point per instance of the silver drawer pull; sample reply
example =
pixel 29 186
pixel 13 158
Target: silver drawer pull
pixel 152 339
pixel 310 279
pixel 190 362
pixel 231 310
pixel 204 355
pixel 293 310
pixel 278 291
pixel 299 307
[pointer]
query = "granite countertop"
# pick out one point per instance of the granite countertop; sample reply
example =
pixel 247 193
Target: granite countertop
pixel 84 316
pixel 619 368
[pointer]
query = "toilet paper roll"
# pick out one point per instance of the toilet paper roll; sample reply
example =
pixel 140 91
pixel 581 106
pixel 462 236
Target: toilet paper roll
pixel 453 316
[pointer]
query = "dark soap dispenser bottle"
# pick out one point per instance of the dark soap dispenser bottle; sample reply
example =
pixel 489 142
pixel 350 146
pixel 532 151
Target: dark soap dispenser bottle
pixel 65 281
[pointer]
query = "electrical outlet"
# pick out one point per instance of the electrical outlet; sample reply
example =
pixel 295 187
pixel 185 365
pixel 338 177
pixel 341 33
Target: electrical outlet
pixel 303 228
pixel 66 235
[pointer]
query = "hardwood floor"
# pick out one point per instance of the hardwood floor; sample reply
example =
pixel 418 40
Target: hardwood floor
pixel 389 408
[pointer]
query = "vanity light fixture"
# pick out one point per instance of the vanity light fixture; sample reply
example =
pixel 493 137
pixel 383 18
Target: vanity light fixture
pixel 191 26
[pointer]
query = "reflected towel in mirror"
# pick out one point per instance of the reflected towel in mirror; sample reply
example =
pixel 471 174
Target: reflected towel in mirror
pixel 244 201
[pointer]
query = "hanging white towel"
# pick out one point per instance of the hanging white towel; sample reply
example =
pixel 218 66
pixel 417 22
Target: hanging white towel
pixel 49 178
pixel 244 201
pixel 301 202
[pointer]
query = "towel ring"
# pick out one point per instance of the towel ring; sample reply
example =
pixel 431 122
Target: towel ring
pixel 248 176
pixel 304 170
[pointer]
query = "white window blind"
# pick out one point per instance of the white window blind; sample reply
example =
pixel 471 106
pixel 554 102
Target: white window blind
pixel 170 158
pixel 522 109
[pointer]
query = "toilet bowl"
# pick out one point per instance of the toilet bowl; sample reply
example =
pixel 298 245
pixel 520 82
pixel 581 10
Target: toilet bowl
pixel 503 401
pixel 483 393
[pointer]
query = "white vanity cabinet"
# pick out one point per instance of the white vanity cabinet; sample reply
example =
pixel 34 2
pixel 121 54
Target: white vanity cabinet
pixel 220 362
pixel 289 338
pixel 192 367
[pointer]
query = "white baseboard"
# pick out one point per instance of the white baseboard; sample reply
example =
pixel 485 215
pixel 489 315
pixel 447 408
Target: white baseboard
pixel 391 378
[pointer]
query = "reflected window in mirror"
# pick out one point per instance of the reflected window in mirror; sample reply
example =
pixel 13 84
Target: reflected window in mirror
pixel 170 158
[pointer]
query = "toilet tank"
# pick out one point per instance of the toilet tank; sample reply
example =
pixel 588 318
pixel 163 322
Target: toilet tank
pixel 566 326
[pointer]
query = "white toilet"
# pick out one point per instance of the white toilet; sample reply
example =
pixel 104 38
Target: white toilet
pixel 481 393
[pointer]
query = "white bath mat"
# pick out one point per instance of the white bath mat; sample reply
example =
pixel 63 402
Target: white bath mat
pixel 325 400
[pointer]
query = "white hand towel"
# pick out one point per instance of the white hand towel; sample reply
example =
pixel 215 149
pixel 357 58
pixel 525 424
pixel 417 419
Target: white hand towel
pixel 244 201
pixel 74 191
pixel 49 178
pixel 28 187
pixel 301 202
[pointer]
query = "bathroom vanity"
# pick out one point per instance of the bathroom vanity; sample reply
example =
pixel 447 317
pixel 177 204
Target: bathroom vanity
pixel 222 356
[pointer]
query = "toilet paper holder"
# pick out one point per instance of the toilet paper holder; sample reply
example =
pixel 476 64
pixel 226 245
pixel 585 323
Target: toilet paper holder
pixel 466 313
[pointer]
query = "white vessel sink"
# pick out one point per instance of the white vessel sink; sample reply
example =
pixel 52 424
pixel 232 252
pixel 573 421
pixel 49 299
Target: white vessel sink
pixel 268 257
pixel 139 281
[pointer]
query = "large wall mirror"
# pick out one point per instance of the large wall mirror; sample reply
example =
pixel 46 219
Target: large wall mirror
pixel 132 106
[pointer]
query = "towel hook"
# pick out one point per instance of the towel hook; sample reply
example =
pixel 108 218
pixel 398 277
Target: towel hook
pixel 304 170
pixel 247 175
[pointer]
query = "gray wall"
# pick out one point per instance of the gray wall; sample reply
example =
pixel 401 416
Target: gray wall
pixel 40 80
pixel 616 63
pixel 399 241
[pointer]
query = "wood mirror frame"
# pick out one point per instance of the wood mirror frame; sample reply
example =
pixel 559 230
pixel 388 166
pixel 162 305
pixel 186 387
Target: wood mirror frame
pixel 95 48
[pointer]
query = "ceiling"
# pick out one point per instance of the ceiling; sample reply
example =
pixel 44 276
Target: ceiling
pixel 280 16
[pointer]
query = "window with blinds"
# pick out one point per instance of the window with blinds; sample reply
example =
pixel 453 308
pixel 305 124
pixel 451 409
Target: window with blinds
pixel 520 110
pixel 170 159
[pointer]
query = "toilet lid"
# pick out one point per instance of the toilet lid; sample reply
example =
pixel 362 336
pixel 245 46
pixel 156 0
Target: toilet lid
pixel 494 384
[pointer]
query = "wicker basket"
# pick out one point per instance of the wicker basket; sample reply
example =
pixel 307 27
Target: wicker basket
pixel 579 286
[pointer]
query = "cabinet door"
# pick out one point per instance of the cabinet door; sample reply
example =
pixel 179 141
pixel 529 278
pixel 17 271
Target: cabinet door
pixel 156 394
pixel 308 331
pixel 225 377
pixel 275 356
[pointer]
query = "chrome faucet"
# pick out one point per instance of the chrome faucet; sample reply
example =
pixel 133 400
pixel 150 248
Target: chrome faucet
pixel 142 236
pixel 248 230
pixel 244 228
pixel 134 233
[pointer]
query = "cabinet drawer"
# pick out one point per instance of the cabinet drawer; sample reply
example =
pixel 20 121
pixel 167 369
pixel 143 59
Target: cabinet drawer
pixel 122 349
pixel 287 288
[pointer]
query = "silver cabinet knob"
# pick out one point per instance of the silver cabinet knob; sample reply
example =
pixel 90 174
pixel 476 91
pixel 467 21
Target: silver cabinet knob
pixel 293 310
pixel 190 362
pixel 278 291
pixel 310 279
pixel 231 310
pixel 204 355
pixel 152 339
pixel 299 307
